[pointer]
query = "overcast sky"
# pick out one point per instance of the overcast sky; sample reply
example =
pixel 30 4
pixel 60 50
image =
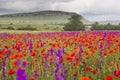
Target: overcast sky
pixel 95 10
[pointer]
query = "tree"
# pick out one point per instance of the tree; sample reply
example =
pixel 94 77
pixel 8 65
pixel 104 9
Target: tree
pixel 95 26
pixel 74 24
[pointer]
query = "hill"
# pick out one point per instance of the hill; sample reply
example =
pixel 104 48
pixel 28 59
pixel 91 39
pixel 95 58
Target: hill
pixel 40 17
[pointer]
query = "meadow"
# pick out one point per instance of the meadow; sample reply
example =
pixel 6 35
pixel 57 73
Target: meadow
pixel 14 27
pixel 87 55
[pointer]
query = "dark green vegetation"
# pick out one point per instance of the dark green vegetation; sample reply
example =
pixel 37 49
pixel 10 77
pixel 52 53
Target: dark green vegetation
pixel 97 26
pixel 74 24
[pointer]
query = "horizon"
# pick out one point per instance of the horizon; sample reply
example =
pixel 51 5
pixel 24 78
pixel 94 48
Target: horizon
pixel 93 10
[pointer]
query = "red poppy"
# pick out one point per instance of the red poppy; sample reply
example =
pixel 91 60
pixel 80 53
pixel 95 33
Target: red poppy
pixel 88 68
pixel 11 71
pixel 32 78
pixel 94 71
pixel 109 77
pixel 69 58
pixel 33 54
pixel 117 73
pixel 85 78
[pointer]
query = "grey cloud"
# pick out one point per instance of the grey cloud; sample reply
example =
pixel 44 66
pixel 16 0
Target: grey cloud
pixel 88 8
pixel 28 5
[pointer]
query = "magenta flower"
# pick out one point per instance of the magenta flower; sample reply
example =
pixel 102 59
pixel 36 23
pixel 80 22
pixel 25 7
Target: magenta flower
pixel 25 63
pixel 21 74
pixel 3 68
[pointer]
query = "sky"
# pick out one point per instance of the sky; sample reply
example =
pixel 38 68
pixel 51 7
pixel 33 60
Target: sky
pixel 94 10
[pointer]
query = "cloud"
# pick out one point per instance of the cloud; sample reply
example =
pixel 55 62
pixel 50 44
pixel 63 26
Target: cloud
pixel 88 8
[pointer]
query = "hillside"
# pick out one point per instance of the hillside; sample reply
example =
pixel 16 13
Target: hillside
pixel 39 17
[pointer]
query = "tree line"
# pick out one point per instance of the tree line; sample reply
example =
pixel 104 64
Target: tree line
pixel 75 24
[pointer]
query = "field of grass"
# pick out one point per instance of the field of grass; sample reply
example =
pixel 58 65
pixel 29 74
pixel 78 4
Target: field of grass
pixel 38 27
pixel 88 55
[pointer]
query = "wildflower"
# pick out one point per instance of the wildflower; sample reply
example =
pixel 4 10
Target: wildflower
pixel 88 68
pixel 32 78
pixel 21 74
pixel 41 43
pixel 117 73
pixel 36 74
pixel 59 72
pixel 94 71
pixel 11 71
pixel 18 47
pixel 24 63
pixel 33 54
pixel 85 78
pixel 30 46
pixel 3 68
pixel 17 62
pixel 69 58
pixel 109 77
pixel 80 52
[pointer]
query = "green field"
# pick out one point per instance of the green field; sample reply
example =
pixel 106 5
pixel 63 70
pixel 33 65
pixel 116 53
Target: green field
pixel 39 27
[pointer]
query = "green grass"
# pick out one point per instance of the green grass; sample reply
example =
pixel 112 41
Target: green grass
pixel 39 27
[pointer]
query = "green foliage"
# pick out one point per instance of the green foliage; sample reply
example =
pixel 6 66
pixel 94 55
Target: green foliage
pixel 0 25
pixel 10 28
pixel 97 26
pixel 74 23
pixel 27 28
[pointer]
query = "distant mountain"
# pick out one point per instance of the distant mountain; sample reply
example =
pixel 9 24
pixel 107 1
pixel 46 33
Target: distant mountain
pixel 42 17
pixel 114 22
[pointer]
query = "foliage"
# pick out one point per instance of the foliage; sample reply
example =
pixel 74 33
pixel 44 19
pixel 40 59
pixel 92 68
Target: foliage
pixel 27 28
pixel 10 28
pixel 74 24
pixel 0 25
pixel 97 26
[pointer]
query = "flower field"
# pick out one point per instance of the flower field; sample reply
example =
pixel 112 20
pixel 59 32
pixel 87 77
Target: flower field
pixel 89 55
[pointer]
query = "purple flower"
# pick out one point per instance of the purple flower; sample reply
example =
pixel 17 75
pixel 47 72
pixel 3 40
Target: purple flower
pixel 3 68
pixel 41 43
pixel 24 39
pixel 21 74
pixel 18 62
pixel 30 46
pixel 104 36
pixel 51 51
pixel 18 47
pixel 46 64
pixel 101 46
pixel 63 51
pixel 80 51
pixel 59 72
pixel 36 74
pixel 100 59
pixel 24 64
